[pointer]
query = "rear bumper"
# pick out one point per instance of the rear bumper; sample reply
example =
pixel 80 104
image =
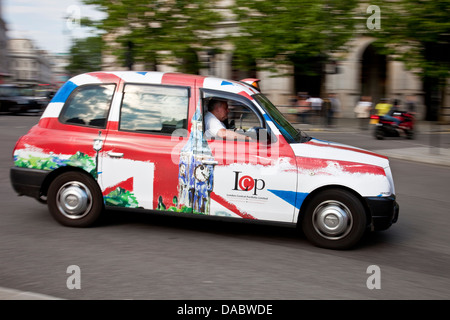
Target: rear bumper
pixel 383 210
pixel 27 182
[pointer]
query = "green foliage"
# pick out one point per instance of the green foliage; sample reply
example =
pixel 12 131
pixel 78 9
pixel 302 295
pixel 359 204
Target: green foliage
pixel 292 31
pixel 418 33
pixel 122 198
pixel 158 31
pixel 79 160
pixel 85 55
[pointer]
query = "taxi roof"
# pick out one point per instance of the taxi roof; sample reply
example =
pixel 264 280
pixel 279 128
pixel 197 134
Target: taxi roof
pixel 168 78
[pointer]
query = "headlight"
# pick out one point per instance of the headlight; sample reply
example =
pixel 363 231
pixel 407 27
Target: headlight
pixel 388 172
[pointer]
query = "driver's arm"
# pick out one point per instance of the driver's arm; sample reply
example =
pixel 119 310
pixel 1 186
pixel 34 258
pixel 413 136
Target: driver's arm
pixel 231 135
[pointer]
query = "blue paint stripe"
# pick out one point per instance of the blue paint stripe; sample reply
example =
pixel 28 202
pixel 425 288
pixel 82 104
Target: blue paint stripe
pixel 64 92
pixel 142 72
pixel 226 83
pixel 293 198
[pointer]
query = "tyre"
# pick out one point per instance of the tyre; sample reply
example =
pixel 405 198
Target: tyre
pixel 379 134
pixel 334 219
pixel 409 134
pixel 75 200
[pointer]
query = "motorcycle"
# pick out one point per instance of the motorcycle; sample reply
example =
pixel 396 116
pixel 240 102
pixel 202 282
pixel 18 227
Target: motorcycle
pixel 398 124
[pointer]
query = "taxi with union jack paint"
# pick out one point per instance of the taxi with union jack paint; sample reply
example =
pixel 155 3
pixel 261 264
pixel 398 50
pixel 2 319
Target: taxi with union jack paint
pixel 137 140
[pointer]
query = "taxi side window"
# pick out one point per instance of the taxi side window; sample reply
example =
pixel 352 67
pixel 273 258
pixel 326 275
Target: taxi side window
pixel 241 117
pixel 154 108
pixel 88 106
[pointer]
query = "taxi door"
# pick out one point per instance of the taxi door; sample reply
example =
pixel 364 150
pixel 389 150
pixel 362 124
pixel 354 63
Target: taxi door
pixel 140 165
pixel 254 179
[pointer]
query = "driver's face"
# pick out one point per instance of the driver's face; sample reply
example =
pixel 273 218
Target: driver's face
pixel 222 111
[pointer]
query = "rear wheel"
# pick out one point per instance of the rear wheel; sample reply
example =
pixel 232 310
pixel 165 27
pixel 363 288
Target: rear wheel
pixel 334 219
pixel 379 134
pixel 74 199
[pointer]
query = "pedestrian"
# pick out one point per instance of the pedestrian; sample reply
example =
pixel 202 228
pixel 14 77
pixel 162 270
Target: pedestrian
pixel 410 104
pixel 333 108
pixel 316 108
pixel 304 107
pixel 292 110
pixel 362 111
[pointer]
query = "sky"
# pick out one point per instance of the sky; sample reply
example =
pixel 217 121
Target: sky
pixel 46 22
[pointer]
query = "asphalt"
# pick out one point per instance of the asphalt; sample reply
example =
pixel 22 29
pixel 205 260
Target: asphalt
pixel 423 154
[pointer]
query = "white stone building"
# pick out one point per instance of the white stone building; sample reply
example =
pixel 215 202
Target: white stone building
pixel 4 63
pixel 28 65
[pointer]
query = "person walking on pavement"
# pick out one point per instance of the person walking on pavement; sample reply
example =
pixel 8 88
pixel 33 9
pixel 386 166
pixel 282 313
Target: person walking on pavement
pixel 304 107
pixel 332 106
pixel 362 111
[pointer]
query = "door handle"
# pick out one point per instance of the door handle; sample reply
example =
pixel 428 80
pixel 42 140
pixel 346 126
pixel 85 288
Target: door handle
pixel 115 154
pixel 211 162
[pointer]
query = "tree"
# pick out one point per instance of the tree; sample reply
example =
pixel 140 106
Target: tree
pixel 85 55
pixel 157 32
pixel 301 33
pixel 418 34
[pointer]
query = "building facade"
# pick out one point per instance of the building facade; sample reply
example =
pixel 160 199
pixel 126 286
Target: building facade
pixel 28 65
pixel 362 71
pixel 4 62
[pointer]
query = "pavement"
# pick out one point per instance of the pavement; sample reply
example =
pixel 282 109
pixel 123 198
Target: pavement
pixel 423 154
pixel 420 153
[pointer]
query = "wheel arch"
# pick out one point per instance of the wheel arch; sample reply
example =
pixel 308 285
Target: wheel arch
pixel 57 172
pixel 315 192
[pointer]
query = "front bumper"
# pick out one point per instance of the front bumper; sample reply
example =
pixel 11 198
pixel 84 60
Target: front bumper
pixel 27 182
pixel 383 210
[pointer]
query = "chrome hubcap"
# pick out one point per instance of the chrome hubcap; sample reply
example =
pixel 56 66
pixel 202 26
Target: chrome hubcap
pixel 332 220
pixel 74 200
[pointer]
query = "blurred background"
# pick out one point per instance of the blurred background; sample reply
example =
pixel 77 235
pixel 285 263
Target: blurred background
pixel 377 50
pixel 318 62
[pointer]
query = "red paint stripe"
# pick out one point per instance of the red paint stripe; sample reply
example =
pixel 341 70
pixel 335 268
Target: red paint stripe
pixel 231 206
pixel 182 79
pixel 245 94
pixel 304 163
pixel 106 77
pixel 127 185
pixel 346 148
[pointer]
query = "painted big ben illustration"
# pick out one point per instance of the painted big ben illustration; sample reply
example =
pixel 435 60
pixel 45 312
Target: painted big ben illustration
pixel 196 170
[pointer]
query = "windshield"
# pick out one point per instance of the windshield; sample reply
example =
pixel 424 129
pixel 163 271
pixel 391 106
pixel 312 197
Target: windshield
pixel 291 134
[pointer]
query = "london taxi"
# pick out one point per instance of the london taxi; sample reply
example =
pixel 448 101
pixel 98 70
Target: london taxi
pixel 136 140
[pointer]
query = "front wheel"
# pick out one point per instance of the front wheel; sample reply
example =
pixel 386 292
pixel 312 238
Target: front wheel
pixel 75 200
pixel 334 219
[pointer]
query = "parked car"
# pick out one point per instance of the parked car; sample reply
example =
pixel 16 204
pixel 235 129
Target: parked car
pixel 19 99
pixel 135 140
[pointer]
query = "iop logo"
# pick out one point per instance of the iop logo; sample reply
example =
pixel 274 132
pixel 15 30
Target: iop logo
pixel 247 183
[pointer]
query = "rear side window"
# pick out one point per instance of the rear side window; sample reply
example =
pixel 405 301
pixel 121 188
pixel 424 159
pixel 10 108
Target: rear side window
pixel 88 105
pixel 154 108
